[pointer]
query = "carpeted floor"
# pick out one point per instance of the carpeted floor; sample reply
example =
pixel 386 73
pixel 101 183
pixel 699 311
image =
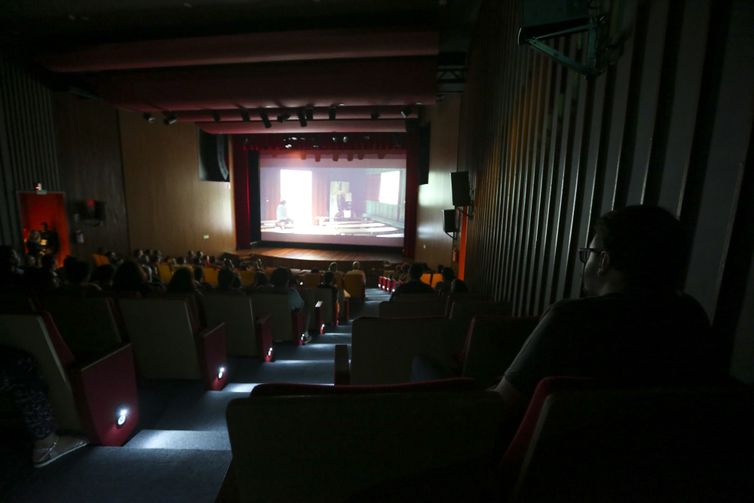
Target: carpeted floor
pixel 181 451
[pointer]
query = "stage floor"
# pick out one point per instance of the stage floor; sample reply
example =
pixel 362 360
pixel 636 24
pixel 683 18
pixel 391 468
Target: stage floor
pixel 311 254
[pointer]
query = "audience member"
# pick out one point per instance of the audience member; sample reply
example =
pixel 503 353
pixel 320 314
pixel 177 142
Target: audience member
pixel 458 286
pixel 448 275
pixel 633 327
pixel 11 276
pixel 77 282
pixel 20 378
pixel 103 276
pixel 228 282
pixel 199 279
pixel 130 278
pixel 182 283
pixel 356 270
pixel 414 284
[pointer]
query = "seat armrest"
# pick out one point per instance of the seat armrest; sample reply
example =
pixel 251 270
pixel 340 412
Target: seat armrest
pixel 213 356
pixel 298 325
pixel 104 387
pixel 319 317
pixel 342 367
pixel 263 329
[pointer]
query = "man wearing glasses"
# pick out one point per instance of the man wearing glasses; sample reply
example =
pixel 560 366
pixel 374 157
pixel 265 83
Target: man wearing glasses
pixel 634 326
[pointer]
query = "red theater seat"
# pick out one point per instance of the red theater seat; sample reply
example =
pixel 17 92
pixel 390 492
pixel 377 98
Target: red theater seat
pixel 327 443
pixel 247 333
pixel 169 345
pixel 85 396
pixel 585 441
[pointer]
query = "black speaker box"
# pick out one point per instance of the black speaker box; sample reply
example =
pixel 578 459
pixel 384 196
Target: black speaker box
pixel 449 221
pixel 212 157
pixel 459 185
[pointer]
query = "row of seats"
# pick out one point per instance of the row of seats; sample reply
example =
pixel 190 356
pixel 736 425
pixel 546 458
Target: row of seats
pixel 389 284
pixel 92 349
pixel 580 440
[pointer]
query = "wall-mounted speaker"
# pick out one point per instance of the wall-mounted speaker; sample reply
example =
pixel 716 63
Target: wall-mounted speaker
pixel 449 221
pixel 91 211
pixel 459 185
pixel 212 157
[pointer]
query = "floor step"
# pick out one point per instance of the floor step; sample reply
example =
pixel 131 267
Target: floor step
pixel 181 440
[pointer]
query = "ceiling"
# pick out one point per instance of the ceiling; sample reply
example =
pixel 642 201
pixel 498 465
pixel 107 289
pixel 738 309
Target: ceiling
pixel 254 66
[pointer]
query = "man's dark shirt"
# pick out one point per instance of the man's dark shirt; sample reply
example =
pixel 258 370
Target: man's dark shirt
pixel 637 338
pixel 413 286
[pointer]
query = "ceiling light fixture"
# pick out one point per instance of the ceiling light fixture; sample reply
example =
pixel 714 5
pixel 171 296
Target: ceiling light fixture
pixel 215 115
pixel 170 118
pixel 310 114
pixel 244 115
pixel 301 117
pixel 406 112
pixel 151 119
pixel 332 112
pixel 284 116
pixel 265 119
pixel 375 115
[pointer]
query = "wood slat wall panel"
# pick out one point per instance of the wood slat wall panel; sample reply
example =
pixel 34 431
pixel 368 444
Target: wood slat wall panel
pixel 669 122
pixel 27 144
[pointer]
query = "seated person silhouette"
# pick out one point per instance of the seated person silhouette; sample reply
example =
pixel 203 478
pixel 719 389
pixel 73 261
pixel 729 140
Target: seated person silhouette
pixel 414 283
pixel 281 213
pixel 634 326
pixel 20 378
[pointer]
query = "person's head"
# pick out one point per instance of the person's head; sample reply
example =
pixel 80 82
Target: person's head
pixel 415 271
pixel 636 246
pixel 103 275
pixel 332 267
pixel 129 277
pixel 78 272
pixel 182 281
pixel 329 278
pixel 9 258
pixel 458 286
pixel 356 265
pixel 47 262
pixel 198 274
pixel 280 278
pixel 225 279
pixel 35 236
pixel 448 274
pixel 260 279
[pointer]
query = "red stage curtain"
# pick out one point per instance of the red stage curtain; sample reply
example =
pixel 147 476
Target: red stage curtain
pixel 413 147
pixel 241 194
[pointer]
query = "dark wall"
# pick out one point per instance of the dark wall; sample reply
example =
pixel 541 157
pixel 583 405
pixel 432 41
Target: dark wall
pixel 91 167
pixel 669 123
pixel 27 145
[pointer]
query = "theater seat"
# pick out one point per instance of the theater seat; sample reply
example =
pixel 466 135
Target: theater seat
pixel 287 325
pixel 327 443
pixel 164 272
pixel 85 396
pixel 326 313
pixel 585 441
pixel 210 275
pixel 167 344
pixel 433 307
pixel 88 325
pixel 311 280
pixel 247 278
pixel 383 349
pixel 354 285
pixel 246 332
pixel 492 344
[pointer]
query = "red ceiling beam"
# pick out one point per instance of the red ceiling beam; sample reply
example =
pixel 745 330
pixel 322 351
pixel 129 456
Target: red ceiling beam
pixel 292 127
pixel 246 48
pixel 351 82
pixel 234 115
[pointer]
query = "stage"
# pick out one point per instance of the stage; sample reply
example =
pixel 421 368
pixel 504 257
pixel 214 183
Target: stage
pixel 372 262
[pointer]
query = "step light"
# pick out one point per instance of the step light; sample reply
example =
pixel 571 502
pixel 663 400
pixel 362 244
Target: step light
pixel 122 416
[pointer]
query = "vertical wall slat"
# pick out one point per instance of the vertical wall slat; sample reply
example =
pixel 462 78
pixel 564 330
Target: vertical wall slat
pixel 649 88
pixel 685 103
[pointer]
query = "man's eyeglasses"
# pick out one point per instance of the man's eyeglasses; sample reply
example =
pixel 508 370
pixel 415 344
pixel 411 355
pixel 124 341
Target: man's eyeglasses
pixel 584 253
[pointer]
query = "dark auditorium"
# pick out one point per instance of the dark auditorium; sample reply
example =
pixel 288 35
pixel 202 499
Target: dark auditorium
pixel 492 251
